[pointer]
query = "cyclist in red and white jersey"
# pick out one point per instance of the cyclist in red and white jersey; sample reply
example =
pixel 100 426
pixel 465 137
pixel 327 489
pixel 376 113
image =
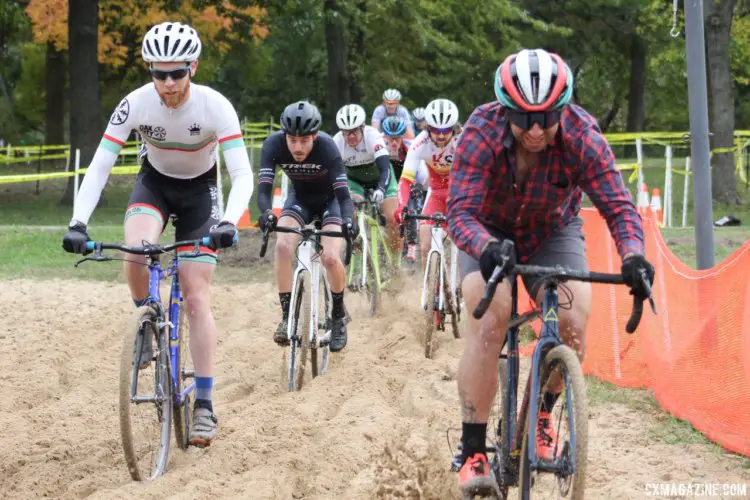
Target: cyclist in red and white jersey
pixel 436 146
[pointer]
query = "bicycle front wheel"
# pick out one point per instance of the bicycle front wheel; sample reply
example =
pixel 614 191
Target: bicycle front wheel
pixel 183 416
pixel 298 344
pixel 319 355
pixel 432 315
pixel 145 398
pixel 568 420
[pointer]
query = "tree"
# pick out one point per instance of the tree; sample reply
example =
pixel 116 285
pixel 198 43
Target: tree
pixel 85 123
pixel 718 16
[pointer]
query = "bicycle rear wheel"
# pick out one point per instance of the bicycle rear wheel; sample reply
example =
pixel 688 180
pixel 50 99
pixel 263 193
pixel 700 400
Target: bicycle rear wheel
pixel 298 345
pixel 183 416
pixel 432 316
pixel 319 355
pixel 145 399
pixel 571 412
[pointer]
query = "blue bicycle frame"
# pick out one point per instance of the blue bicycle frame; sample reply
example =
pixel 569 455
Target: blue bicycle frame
pixel 175 300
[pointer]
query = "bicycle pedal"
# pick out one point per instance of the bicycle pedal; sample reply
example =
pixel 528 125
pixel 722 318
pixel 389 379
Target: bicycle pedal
pixel 188 373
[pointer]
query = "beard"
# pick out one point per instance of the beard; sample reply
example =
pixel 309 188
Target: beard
pixel 175 99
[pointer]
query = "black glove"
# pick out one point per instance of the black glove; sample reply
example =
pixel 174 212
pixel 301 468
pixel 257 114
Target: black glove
pixel 267 221
pixel 75 239
pixel 497 254
pixel 350 229
pixel 631 274
pixel 223 236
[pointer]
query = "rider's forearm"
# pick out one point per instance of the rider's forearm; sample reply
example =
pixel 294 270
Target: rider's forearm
pixel 94 182
pixel 265 188
pixel 241 174
pixel 384 165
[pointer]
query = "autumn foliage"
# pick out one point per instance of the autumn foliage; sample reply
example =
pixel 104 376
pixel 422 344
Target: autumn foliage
pixel 219 24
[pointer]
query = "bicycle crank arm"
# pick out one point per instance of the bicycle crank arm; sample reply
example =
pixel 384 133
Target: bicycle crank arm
pixel 188 373
pixel 146 399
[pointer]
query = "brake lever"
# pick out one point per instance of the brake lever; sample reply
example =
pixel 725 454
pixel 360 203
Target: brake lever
pixel 97 257
pixel 647 286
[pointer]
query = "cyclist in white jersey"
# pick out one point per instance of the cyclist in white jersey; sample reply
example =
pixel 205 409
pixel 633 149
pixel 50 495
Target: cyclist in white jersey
pixel 436 146
pixel 182 124
pixel 368 166
pixel 391 106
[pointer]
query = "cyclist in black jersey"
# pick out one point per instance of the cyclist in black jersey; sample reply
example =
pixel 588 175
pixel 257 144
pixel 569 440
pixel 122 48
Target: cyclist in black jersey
pixel 319 190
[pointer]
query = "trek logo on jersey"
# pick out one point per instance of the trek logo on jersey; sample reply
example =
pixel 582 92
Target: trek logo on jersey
pixel 194 129
pixel 155 133
pixel 302 169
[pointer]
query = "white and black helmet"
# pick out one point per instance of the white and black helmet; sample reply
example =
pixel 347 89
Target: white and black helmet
pixel 418 114
pixel 391 95
pixel 350 117
pixel 441 113
pixel 171 42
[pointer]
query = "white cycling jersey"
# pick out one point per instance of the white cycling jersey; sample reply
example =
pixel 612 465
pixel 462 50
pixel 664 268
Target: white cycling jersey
pixel 370 147
pixel 180 143
pixel 438 160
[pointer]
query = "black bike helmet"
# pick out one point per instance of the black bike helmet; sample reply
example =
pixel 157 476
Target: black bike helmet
pixel 300 118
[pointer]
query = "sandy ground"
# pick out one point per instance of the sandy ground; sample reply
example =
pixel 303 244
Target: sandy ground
pixel 373 427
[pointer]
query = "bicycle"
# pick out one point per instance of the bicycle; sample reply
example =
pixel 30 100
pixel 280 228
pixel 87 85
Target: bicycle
pixel 167 387
pixel 312 314
pixel 512 449
pixel 438 297
pixel 365 272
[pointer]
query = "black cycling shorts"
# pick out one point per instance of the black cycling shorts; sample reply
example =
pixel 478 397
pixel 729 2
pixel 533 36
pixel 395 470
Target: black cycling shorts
pixel 193 202
pixel 305 212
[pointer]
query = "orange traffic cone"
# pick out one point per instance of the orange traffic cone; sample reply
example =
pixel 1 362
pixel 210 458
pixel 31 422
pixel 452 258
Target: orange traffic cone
pixel 278 202
pixel 643 205
pixel 656 206
pixel 245 222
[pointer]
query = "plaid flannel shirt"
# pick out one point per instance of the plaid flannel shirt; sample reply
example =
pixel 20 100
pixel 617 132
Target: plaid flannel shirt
pixel 483 194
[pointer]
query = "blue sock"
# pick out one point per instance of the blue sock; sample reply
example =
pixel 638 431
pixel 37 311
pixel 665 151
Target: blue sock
pixel 204 388
pixel 140 302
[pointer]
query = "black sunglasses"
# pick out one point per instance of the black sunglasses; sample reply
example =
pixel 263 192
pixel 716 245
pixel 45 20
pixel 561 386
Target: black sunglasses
pixel 175 74
pixel 526 119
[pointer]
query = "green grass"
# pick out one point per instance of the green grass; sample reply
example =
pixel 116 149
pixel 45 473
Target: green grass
pixel 667 429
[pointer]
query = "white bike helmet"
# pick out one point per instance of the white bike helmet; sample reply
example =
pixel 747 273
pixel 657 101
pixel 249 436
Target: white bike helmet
pixel 350 117
pixel 441 113
pixel 391 95
pixel 171 42
pixel 418 114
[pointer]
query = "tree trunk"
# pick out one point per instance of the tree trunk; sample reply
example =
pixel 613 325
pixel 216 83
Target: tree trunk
pixel 359 58
pixel 54 115
pixel 637 91
pixel 614 109
pixel 85 123
pixel 338 76
pixel 718 26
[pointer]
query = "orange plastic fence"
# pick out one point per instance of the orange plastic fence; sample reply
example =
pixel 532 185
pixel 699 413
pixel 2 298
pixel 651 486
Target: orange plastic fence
pixel 695 354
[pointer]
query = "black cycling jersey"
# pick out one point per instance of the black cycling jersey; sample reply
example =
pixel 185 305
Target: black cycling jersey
pixel 316 181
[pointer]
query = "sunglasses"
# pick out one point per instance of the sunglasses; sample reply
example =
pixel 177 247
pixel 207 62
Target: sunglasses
pixel 350 133
pixel 441 131
pixel 175 74
pixel 526 119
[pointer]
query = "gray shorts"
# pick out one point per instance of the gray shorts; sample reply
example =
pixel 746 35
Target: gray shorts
pixel 565 248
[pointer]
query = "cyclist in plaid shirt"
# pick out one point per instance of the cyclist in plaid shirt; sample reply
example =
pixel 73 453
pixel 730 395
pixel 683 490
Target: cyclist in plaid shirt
pixel 518 173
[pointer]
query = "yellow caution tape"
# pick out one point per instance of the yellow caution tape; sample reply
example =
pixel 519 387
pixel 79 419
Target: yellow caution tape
pixel 11 179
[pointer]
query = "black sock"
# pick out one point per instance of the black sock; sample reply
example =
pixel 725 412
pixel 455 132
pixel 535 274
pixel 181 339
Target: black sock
pixel 473 439
pixel 548 401
pixel 338 305
pixel 285 298
pixel 204 403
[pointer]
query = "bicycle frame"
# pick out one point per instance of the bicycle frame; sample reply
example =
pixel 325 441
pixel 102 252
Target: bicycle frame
pixel 372 243
pixel 548 340
pixel 308 261
pixel 438 246
pixel 156 274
